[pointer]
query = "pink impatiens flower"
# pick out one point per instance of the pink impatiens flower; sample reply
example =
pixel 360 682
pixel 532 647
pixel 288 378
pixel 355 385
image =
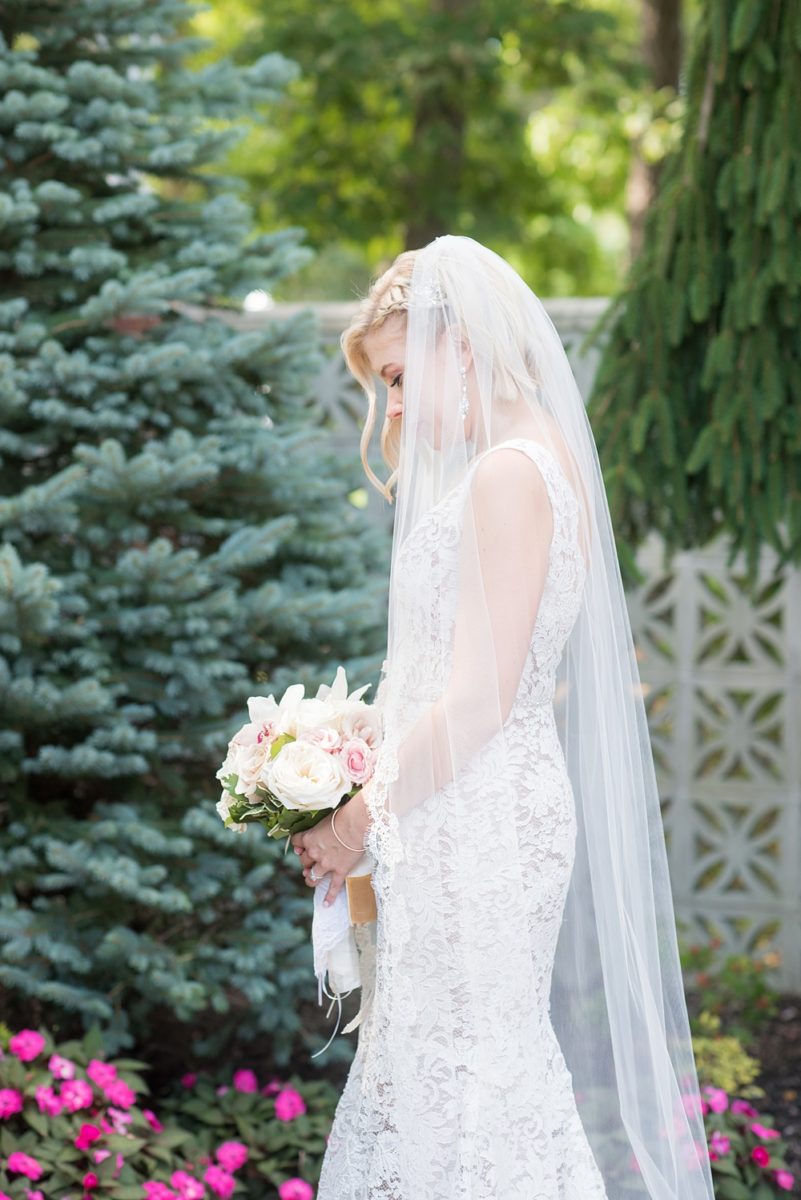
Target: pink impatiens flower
pixel 86 1135
pixel 26 1044
pixel 289 1104
pixel 11 1102
pixel 232 1155
pixel 119 1092
pixel 152 1119
pixel 89 1181
pixel 718 1144
pixel 295 1189
pixel 760 1156
pixel 24 1164
pixel 187 1186
pixel 717 1099
pixel 219 1181
pixel 158 1191
pixel 49 1103
pixel 76 1093
pixel 101 1073
pixel 189 1079
pixel 784 1180
pixel 764 1131
pixel 61 1067
pixel 245 1081
pixel 742 1106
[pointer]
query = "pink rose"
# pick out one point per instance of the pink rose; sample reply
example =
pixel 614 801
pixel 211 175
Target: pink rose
pixel 764 1131
pixel 357 759
pixel 49 1103
pixel 76 1093
pixel 11 1102
pixel 118 1092
pixel 289 1104
pixel 24 1164
pixel 187 1186
pixel 760 1156
pixel 718 1100
pixel 295 1189
pixel 231 1155
pixel 101 1073
pixel 245 1081
pixel 784 1180
pixel 62 1068
pixel 220 1181
pixel 26 1044
pixel 323 736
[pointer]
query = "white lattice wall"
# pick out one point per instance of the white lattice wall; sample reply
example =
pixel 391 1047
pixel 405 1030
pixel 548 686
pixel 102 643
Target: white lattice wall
pixel 722 679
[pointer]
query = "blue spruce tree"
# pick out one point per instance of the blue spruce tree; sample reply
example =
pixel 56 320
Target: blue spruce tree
pixel 176 536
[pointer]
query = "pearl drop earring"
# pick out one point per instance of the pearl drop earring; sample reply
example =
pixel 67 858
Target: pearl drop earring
pixel 463 403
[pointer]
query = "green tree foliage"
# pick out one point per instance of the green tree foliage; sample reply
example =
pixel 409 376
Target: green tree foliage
pixel 176 534
pixel 408 120
pixel 697 403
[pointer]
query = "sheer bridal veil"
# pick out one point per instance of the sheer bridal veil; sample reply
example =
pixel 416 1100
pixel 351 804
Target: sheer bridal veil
pixel 483 365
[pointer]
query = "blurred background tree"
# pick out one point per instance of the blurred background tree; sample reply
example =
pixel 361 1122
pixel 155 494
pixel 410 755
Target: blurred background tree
pixel 177 535
pixel 696 406
pixel 517 125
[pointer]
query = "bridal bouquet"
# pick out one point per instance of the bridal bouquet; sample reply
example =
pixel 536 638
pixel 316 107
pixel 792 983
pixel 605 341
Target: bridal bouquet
pixel 287 768
pixel 298 758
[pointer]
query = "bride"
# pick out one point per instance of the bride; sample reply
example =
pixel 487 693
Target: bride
pixel 526 1036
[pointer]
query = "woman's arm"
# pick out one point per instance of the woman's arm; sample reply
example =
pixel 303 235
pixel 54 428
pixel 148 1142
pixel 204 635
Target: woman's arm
pixel 503 564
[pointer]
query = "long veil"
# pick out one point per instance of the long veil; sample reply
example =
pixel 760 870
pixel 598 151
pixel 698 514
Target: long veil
pixel 484 366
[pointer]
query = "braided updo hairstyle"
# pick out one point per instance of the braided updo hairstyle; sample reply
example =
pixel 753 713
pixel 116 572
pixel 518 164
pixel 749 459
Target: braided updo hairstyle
pixel 387 300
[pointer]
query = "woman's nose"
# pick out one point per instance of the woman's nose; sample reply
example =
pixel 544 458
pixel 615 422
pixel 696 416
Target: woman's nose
pixel 394 409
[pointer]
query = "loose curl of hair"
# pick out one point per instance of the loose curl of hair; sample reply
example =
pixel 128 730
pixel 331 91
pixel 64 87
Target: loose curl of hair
pixel 388 297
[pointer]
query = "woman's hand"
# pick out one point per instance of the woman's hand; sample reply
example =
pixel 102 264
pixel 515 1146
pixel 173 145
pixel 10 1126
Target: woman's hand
pixel 318 847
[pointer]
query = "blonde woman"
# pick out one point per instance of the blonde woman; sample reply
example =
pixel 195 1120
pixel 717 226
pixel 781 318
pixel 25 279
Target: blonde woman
pixel 527 1035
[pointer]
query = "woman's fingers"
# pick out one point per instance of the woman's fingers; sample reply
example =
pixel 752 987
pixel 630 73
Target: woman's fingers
pixel 335 887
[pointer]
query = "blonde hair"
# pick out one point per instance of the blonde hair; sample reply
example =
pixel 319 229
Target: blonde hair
pixel 388 297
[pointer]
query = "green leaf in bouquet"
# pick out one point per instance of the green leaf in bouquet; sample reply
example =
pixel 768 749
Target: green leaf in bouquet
pixel 279 743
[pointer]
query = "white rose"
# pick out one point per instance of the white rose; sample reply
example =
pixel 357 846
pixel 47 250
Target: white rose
pixel 247 752
pixel 362 721
pixel 224 807
pixel 323 736
pixel 304 777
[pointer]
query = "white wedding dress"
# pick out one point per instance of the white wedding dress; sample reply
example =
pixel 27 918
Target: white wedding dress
pixel 458 1089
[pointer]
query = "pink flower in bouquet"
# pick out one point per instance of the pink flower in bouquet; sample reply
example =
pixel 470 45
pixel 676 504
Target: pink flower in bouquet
pixel 245 1081
pixel 76 1093
pixel 231 1155
pixel 760 1156
pixel 11 1102
pixel 324 737
pixel 118 1092
pixel 24 1164
pixel 784 1180
pixel 742 1106
pixel 49 1103
pixel 187 1186
pixel 357 758
pixel 295 1189
pixel 26 1044
pixel 220 1181
pixel 61 1067
pixel 717 1098
pixel 764 1131
pixel 86 1135
pixel 101 1073
pixel 289 1104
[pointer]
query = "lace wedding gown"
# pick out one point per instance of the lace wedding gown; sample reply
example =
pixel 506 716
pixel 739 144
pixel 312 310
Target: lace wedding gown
pixel 458 1089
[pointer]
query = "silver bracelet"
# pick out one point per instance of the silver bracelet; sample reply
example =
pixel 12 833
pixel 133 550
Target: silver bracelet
pixel 339 839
